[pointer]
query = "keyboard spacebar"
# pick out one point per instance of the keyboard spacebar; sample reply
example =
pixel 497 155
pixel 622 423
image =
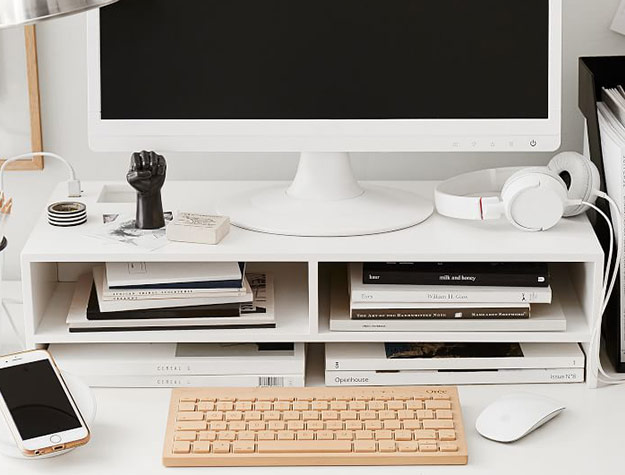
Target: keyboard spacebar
pixel 303 446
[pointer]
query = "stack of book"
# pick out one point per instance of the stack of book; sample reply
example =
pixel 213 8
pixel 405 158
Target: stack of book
pixel 165 296
pixel 448 297
pixel 396 364
pixel 184 364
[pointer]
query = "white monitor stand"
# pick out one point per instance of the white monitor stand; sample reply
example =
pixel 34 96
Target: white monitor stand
pixel 325 199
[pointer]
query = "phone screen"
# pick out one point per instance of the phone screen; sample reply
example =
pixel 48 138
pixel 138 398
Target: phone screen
pixel 36 400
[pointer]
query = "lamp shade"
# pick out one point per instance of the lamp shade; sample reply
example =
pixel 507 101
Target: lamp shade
pixel 25 12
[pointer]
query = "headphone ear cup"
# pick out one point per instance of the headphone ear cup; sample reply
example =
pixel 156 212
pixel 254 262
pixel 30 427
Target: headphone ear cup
pixel 534 199
pixel 581 177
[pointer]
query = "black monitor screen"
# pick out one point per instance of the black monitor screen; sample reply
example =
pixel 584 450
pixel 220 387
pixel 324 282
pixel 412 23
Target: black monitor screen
pixel 325 59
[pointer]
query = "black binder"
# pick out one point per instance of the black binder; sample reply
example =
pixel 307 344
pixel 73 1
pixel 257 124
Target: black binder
pixel 596 73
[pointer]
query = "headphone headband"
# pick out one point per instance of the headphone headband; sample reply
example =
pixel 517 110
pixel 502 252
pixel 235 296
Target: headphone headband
pixel 462 197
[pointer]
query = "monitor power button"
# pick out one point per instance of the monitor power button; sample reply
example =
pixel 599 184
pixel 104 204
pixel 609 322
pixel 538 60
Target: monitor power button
pixel 533 143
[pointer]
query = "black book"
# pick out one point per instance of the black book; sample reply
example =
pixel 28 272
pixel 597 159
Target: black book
pixel 201 311
pixel 502 274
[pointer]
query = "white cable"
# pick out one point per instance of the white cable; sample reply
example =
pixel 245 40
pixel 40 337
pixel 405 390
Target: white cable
pixel 73 183
pixel 595 337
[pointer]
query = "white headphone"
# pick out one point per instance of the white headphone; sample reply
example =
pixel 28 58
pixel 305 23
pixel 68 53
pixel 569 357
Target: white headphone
pixel 532 199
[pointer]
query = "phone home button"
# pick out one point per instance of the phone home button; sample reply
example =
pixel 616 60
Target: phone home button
pixel 55 439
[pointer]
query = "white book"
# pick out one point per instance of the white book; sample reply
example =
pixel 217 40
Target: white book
pixel 215 381
pixel 544 317
pixel 413 294
pixel 454 356
pixel 426 377
pixel 152 273
pixel 77 315
pixel 178 359
pixel 118 305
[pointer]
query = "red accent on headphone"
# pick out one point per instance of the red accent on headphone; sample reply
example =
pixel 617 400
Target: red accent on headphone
pixel 481 209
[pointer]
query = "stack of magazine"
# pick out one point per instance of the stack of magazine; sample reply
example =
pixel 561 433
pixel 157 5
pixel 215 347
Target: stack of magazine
pixel 432 296
pixel 396 364
pixel 184 364
pixel 127 296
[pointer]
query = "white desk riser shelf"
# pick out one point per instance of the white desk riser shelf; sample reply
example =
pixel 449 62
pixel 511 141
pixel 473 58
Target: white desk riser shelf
pixel 53 258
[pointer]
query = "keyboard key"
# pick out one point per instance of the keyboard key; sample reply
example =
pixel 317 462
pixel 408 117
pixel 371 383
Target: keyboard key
pixel 386 446
pixel 227 435
pixel 425 414
pixel 282 406
pixel 411 446
pixel 257 425
pixel 405 414
pixel 414 405
pixel 373 425
pixel 437 404
pixel 208 435
pixel 448 447
pixel 411 424
pixel 214 416
pixel 304 446
pixel 218 425
pixel 291 416
pixel 182 447
pixel 201 447
pixel 338 405
pixel 333 425
pixel 276 425
pixel 310 415
pixel 325 435
pixel 392 424
pixel 383 434
pixel 344 435
pixel 224 406
pixel 190 425
pixel 190 416
pixel 206 406
pixel 263 406
pixel 329 415
pixel 188 399
pixel 348 415
pixel 357 405
pixel 441 396
pixel 403 435
pixel 305 435
pixel 236 425
pixel 395 405
pixel 243 406
pixel 187 406
pixel 271 415
pixel 286 435
pixel 221 447
pixel 315 425
pixel 295 425
pixel 319 405
pixel 364 435
pixel 368 415
pixel 234 415
pixel 376 406
pixel 242 447
pixel 246 435
pixel 364 446
pixel 428 447
pixel 438 424
pixel 353 425
pixel 186 435
pixel 252 416
pixel 424 434
pixel 266 435
pixel 386 415
pixel 301 406
pixel 447 434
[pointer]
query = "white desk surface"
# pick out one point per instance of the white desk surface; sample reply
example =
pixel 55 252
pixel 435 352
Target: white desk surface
pixel 128 435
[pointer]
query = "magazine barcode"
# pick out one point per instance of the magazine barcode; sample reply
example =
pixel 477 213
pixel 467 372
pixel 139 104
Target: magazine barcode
pixel 268 381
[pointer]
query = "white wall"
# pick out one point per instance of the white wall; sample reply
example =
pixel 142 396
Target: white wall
pixel 62 59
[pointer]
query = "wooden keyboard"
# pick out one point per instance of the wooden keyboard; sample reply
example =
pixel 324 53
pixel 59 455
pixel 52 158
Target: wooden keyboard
pixel 315 426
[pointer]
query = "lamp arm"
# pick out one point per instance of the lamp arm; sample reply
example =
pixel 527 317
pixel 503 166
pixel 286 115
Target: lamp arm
pixel 73 185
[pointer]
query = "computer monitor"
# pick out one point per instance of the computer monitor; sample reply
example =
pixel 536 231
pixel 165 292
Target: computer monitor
pixel 325 77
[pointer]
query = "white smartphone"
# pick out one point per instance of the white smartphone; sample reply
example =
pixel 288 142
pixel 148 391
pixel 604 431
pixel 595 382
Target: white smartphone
pixel 37 406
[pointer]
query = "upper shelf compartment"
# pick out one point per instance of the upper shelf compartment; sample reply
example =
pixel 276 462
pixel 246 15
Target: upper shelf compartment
pixel 572 240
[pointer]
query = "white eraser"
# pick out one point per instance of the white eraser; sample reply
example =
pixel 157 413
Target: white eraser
pixel 198 228
pixel 618 25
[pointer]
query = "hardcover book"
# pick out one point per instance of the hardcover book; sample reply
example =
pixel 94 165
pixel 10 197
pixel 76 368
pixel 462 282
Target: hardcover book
pixel 498 274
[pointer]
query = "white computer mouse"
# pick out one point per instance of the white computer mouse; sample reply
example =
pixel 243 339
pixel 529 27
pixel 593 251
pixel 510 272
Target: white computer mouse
pixel 513 416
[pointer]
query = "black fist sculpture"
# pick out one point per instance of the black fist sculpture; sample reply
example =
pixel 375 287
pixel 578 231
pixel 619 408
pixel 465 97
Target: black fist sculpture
pixel 147 176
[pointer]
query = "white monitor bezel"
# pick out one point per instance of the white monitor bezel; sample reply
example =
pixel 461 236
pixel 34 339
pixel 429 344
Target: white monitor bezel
pixel 477 135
